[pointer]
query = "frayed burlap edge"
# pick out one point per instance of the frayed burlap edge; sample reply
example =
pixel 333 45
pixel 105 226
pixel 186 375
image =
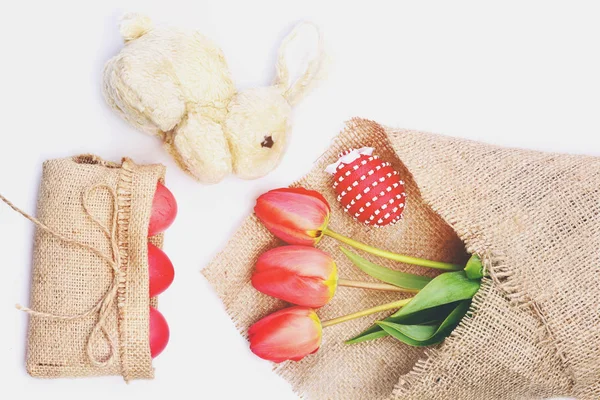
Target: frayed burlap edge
pixel 509 278
pixel 502 288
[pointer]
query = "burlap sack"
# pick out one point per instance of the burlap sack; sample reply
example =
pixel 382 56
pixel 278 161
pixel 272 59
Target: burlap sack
pixel 89 294
pixel 534 327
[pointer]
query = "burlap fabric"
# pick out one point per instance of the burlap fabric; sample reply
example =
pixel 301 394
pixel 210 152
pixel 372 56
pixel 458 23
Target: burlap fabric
pixel 69 279
pixel 534 327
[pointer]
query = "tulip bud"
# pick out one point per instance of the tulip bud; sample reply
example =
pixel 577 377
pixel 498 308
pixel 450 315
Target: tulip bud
pixel 288 334
pixel 300 275
pixel 294 215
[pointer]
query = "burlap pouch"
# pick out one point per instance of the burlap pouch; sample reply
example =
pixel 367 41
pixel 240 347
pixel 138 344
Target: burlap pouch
pixel 534 327
pixel 89 295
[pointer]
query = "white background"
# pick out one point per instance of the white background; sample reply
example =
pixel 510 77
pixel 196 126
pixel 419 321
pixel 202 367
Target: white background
pixel 513 73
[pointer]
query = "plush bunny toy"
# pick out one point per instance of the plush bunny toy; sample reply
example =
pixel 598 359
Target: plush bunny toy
pixel 175 84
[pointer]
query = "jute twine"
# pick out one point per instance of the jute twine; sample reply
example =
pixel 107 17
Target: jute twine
pixel 533 330
pixel 103 306
pixel 62 343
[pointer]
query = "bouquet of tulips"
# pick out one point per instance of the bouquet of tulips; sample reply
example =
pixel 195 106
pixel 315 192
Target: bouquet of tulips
pixel 308 278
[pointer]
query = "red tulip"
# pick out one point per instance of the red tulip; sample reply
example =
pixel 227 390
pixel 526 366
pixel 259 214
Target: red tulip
pixel 297 274
pixel 160 270
pixel 159 332
pixel 288 334
pixel 164 210
pixel 295 215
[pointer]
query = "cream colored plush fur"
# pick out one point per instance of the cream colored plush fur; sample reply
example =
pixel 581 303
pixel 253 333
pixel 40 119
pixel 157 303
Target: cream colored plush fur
pixel 175 84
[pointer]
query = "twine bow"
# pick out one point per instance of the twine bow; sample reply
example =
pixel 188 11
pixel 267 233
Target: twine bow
pixel 103 307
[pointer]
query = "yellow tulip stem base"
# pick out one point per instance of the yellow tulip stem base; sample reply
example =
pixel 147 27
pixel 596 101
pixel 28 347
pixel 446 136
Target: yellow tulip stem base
pixel 368 311
pixel 393 256
pixel 374 286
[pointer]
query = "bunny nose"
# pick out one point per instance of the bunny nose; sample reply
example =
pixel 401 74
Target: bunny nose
pixel 268 142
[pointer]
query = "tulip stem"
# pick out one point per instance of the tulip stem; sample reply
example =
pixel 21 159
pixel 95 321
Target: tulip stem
pixel 393 256
pixel 368 311
pixel 374 285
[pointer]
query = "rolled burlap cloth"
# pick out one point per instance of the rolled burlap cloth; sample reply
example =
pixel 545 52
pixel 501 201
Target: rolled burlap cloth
pixel 89 294
pixel 533 330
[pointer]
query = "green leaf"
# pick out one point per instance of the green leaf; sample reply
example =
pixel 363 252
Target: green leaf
pixel 397 278
pixel 426 335
pixel 419 333
pixel 474 267
pixel 429 315
pixel 374 334
pixel 425 317
pixel 432 301
pixel 389 330
pixel 443 289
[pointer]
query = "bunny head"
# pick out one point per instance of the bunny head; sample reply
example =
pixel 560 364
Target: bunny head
pixel 256 127
pixel 259 119
pixel 175 84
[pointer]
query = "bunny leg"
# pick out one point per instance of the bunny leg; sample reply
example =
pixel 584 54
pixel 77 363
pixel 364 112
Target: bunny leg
pixel 199 146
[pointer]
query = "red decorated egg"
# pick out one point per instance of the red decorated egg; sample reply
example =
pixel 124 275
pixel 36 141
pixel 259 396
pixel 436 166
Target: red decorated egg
pixel 159 332
pixel 160 270
pixel 368 187
pixel 164 210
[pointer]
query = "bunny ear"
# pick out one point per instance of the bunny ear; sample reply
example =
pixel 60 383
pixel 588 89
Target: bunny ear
pixel 293 91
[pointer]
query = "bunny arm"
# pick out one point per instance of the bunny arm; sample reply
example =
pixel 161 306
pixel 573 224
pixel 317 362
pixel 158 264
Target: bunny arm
pixel 199 146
